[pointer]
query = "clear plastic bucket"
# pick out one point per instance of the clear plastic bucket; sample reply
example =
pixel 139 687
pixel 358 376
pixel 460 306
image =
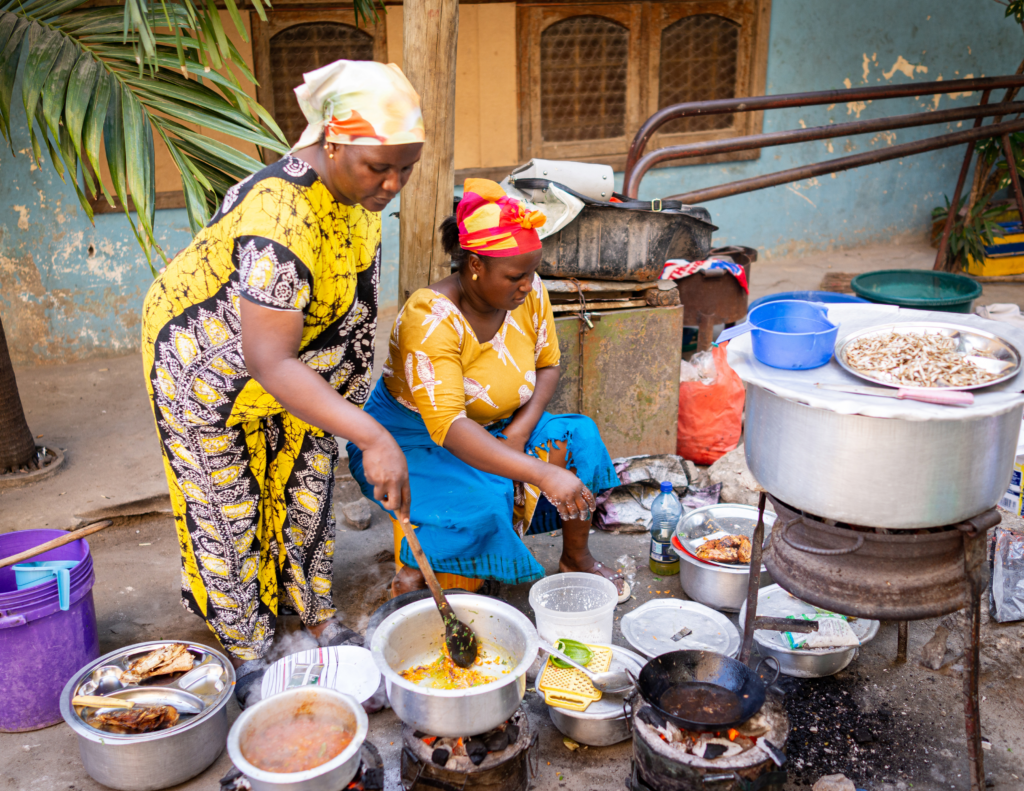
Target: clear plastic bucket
pixel 574 605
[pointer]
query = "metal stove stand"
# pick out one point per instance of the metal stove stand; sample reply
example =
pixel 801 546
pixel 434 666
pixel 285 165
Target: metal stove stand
pixel 971 552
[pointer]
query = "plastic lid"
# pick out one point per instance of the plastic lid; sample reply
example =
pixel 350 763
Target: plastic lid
pixel 666 486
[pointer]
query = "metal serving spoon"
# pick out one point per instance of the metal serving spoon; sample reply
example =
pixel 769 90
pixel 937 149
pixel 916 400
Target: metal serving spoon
pixel 610 681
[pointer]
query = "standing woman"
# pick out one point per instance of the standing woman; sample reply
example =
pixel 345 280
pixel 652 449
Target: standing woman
pixel 258 347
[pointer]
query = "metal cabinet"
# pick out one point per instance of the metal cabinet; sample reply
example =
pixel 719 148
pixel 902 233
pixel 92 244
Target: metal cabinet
pixel 630 377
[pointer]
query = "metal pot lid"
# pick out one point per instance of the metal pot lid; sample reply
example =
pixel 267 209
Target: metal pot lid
pixel 196 694
pixel 700 524
pixel 609 707
pixel 972 341
pixel 665 625
pixel 775 602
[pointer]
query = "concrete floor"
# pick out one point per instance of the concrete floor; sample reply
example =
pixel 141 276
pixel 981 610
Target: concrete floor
pixel 97 412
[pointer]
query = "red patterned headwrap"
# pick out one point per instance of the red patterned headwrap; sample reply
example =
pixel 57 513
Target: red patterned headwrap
pixel 493 224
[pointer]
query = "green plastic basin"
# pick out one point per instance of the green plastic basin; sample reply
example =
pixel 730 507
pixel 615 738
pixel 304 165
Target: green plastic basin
pixel 918 288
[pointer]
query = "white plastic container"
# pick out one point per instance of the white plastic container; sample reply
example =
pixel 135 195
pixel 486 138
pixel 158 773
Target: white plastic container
pixel 574 605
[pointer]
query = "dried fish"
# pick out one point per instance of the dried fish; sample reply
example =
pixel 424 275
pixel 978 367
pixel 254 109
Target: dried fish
pixel 914 359
pixel 140 719
pixel 174 658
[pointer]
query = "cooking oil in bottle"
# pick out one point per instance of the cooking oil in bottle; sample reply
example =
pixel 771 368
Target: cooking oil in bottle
pixel 665 514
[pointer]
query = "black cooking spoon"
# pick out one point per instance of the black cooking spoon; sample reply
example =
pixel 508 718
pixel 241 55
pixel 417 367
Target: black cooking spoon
pixel 459 638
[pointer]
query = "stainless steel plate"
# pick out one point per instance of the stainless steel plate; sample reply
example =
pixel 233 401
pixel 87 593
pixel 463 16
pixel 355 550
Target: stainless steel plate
pixel 774 602
pixel 734 519
pixel 192 693
pixel 1002 354
pixel 665 625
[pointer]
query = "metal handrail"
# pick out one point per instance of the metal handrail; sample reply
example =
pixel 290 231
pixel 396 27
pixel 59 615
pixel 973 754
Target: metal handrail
pixel 637 163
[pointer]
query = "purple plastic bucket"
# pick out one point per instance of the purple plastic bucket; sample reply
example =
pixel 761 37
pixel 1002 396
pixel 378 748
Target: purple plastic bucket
pixel 41 646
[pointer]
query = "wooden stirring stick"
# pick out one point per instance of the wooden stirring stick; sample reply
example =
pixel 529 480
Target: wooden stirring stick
pixel 461 642
pixel 74 535
pixel 101 702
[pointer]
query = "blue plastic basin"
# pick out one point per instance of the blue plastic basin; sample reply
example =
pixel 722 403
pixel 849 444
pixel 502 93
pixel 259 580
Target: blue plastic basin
pixel 828 297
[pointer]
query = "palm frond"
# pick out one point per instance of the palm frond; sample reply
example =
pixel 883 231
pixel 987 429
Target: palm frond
pixel 113 78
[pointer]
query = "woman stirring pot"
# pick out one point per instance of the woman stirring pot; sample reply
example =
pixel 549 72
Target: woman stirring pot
pixel 473 363
pixel 258 346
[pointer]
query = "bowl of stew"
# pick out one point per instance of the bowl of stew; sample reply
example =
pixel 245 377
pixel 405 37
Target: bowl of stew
pixel 302 739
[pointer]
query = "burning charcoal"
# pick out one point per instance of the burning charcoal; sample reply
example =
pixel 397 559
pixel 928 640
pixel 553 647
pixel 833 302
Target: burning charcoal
pixel 418 734
pixel 440 756
pixel 513 732
pixel 497 741
pixel 714 750
pixel 476 750
pixel 863 736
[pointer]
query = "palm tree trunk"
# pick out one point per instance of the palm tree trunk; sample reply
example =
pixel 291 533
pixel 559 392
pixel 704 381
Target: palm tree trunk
pixel 17 447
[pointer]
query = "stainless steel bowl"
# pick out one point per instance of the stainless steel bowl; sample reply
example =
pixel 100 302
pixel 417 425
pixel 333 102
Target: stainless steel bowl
pixel 813 663
pixel 330 776
pixel 604 721
pixel 414 635
pixel 151 761
pixel 717 585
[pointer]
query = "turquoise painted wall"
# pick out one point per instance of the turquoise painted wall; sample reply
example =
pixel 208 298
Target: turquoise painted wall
pixel 71 290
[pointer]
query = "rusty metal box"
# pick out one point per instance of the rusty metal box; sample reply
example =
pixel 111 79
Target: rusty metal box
pixel 630 385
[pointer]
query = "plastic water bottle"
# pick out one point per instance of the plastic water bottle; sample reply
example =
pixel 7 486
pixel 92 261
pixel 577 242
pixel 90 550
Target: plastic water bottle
pixel 665 514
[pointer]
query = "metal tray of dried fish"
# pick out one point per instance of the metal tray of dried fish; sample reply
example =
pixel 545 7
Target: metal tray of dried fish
pixel 191 692
pixel 159 758
pixel 988 351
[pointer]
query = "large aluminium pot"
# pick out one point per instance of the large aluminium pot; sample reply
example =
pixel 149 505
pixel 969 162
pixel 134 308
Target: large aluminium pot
pixel 891 473
pixel 415 634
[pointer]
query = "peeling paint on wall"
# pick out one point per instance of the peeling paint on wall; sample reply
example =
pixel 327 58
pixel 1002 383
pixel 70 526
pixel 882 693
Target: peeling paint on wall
pixel 904 67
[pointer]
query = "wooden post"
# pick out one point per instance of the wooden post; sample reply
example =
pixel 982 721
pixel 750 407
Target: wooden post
pixel 430 35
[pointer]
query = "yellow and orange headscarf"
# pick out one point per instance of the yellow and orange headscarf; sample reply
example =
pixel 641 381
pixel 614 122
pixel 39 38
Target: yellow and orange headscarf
pixel 493 224
pixel 359 102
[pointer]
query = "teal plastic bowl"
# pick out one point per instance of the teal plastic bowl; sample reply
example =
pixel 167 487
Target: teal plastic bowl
pixel 921 289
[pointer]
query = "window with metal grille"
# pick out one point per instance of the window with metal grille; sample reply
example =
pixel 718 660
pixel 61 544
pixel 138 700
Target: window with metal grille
pixel 698 63
pixel 303 48
pixel 583 64
pixel 591 73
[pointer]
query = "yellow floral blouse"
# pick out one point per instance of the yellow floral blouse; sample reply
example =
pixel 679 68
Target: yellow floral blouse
pixel 439 368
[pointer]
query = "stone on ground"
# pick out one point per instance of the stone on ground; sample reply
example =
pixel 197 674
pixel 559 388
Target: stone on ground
pixel 834 783
pixel 738 484
pixel 358 513
pixel 934 651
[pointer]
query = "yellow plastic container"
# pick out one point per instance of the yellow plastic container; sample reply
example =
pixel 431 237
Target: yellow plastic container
pixel 1005 256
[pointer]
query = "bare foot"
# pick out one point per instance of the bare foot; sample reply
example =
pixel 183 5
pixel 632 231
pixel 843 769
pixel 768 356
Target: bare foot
pixel 407 580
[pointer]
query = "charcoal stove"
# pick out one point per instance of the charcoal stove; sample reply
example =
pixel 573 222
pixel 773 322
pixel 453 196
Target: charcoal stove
pixel 460 764
pixel 881 574
pixel 667 759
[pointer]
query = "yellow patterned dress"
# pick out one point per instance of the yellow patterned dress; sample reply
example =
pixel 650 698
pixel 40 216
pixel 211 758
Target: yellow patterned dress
pixel 251 484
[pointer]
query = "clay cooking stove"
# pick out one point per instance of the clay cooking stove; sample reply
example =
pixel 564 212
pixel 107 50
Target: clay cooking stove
pixel 667 758
pixel 498 760
pixel 868 572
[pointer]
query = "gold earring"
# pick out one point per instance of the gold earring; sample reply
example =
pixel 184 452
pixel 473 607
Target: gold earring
pixel 330 154
pixel 475 276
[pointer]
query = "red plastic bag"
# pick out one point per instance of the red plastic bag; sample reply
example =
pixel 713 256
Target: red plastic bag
pixel 710 413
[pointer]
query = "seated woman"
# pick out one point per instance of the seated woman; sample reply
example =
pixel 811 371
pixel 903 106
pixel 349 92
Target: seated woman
pixel 469 413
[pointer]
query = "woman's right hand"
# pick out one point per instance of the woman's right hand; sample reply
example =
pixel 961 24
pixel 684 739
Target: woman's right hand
pixel 568 494
pixel 385 467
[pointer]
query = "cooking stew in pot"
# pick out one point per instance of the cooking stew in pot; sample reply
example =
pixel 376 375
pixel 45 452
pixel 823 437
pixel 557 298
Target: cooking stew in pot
pixel 304 741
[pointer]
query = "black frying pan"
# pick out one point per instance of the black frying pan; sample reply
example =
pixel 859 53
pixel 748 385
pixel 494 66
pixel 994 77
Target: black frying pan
pixel 702 690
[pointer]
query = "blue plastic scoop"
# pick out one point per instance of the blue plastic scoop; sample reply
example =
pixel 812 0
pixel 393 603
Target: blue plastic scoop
pixel 788 333
pixel 28 574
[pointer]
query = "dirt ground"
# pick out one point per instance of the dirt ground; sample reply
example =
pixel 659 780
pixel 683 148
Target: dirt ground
pixel 97 412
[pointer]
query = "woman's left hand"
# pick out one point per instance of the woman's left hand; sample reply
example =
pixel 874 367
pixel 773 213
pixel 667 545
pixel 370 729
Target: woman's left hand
pixel 568 494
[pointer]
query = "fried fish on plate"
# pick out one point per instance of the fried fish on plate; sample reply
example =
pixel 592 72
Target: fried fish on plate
pixel 173 658
pixel 138 719
pixel 727 549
